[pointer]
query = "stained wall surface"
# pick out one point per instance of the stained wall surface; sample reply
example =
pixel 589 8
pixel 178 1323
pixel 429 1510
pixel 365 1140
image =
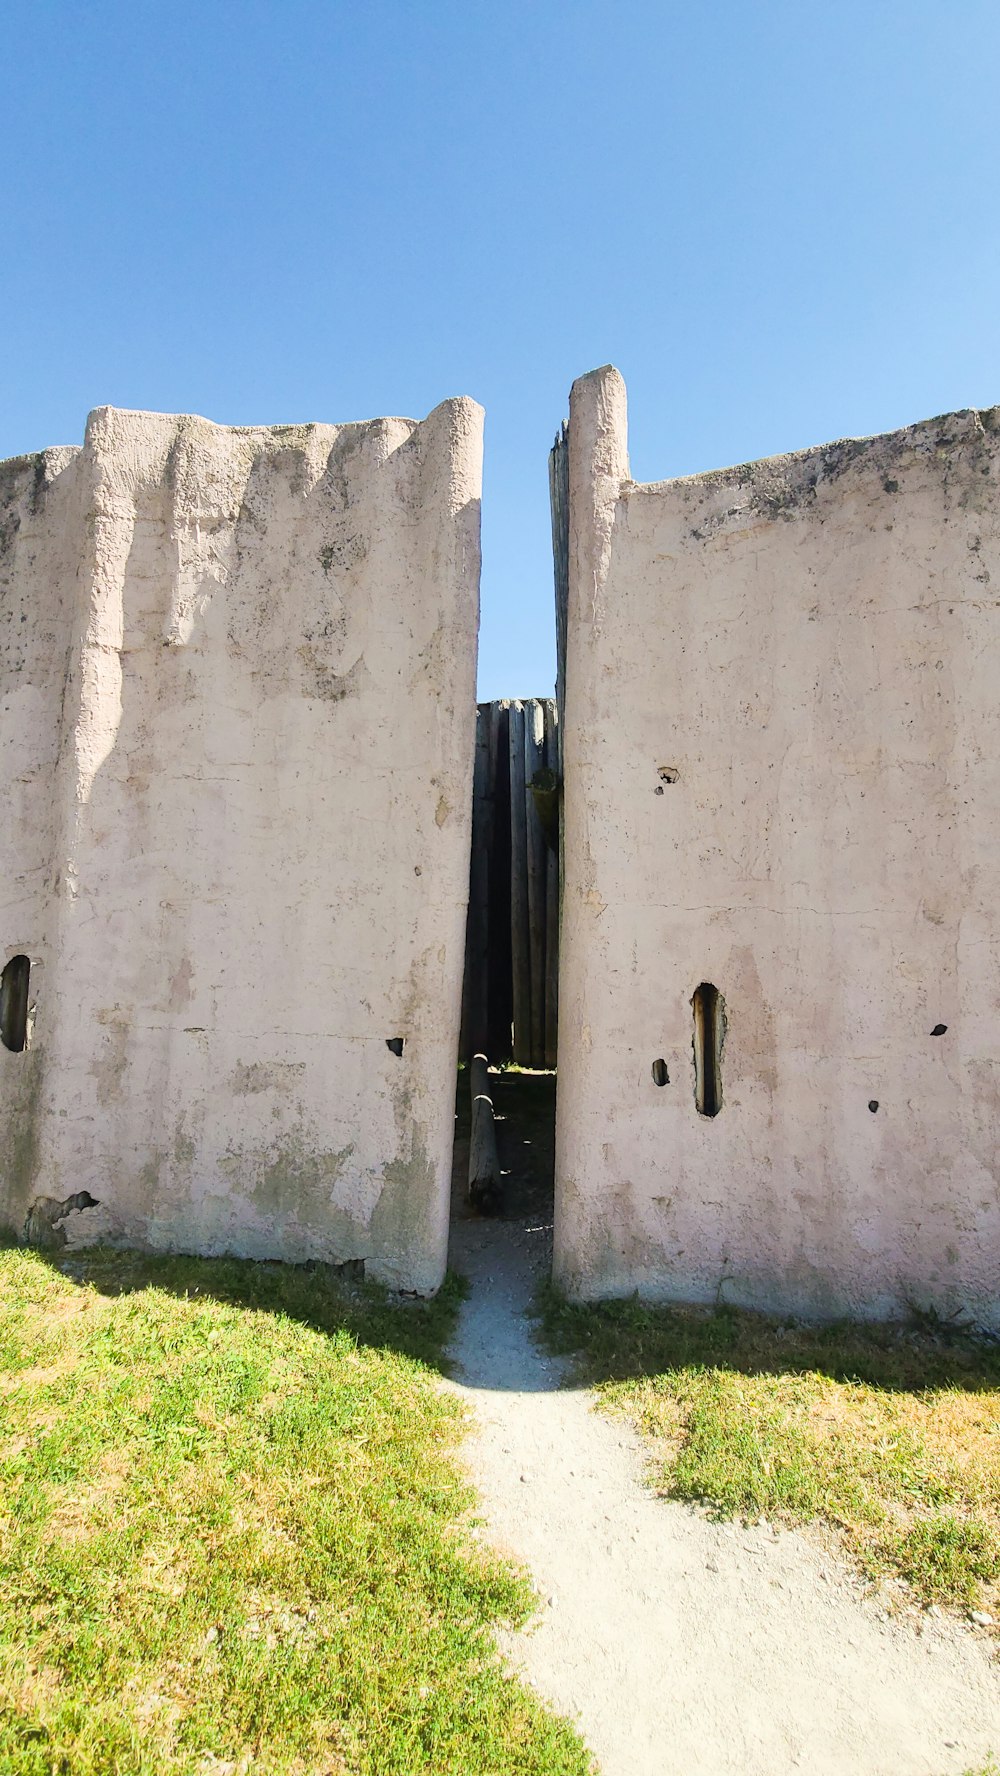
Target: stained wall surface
pixel 782 778
pixel 241 740
pixel 40 532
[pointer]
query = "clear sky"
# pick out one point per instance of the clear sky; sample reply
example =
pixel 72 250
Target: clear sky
pixel 778 218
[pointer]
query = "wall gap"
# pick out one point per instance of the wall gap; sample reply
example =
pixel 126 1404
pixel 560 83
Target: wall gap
pixel 510 997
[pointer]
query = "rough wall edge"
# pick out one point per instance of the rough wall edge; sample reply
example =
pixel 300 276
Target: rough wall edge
pixel 463 419
pixel 283 431
pixel 828 461
pixel 462 407
pixel 598 470
pixel 49 462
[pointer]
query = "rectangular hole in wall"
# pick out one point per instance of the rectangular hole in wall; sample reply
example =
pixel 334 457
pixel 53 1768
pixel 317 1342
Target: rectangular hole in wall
pixel 709 1033
pixel 14 1003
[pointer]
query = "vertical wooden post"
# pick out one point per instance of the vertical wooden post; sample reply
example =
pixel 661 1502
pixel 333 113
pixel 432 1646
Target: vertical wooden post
pixel 534 754
pixel 559 507
pixel 552 903
pixel 500 989
pixel 476 991
pixel 485 1182
pixel 512 932
pixel 519 927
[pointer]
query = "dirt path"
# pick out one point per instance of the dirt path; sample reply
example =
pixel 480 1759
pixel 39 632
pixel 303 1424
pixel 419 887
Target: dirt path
pixel 682 1646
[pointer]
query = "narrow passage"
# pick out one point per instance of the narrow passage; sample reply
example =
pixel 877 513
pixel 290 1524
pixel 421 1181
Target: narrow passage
pixel 678 1645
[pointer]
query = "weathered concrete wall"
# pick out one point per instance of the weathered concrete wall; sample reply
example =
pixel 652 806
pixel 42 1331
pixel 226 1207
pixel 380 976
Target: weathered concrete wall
pixel 782 777
pixel 263 806
pixel 39 535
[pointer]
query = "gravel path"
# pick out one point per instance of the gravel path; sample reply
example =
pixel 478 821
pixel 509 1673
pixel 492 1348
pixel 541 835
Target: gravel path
pixel 682 1646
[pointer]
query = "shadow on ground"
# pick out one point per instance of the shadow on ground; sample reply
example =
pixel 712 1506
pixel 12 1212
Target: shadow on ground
pixel 626 1340
pixel 327 1298
pixel 623 1340
pixel 336 1298
pixel 510 1256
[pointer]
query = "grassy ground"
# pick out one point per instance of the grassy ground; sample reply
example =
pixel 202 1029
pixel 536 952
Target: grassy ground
pixel 891 1436
pixel 233 1536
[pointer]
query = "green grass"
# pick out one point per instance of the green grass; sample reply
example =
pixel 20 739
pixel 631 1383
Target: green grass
pixel 233 1535
pixel 890 1435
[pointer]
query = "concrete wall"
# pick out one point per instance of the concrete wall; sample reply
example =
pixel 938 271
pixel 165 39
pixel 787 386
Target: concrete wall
pixel 39 539
pixel 247 866
pixel 782 777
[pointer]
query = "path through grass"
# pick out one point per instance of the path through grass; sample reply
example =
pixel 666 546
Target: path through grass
pixel 892 1436
pixel 234 1536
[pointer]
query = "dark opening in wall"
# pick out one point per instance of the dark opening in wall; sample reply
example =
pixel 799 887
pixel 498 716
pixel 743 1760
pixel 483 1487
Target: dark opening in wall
pixel 14 1003
pixel 709 1010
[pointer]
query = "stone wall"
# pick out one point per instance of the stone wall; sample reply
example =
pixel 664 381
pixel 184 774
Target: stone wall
pixel 238 729
pixel 782 779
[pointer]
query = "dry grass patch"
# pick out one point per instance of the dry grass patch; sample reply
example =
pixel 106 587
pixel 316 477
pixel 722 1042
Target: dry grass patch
pixel 891 1435
pixel 233 1534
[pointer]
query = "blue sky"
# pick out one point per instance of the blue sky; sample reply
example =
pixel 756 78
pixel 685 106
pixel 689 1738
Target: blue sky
pixel 779 219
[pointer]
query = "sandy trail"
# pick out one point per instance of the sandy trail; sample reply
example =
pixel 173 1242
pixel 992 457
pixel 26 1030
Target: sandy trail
pixel 681 1646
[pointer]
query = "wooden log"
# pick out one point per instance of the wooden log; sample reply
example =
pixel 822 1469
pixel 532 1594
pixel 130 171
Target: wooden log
pixel 520 942
pixel 551 907
pixel 475 994
pixel 545 795
pixel 485 1182
pixel 501 1014
pixel 534 760
pixel 464 1043
pixel 559 508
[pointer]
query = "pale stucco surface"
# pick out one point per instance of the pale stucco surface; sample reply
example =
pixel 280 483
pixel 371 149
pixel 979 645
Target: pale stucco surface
pixel 238 727
pixel 805 648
